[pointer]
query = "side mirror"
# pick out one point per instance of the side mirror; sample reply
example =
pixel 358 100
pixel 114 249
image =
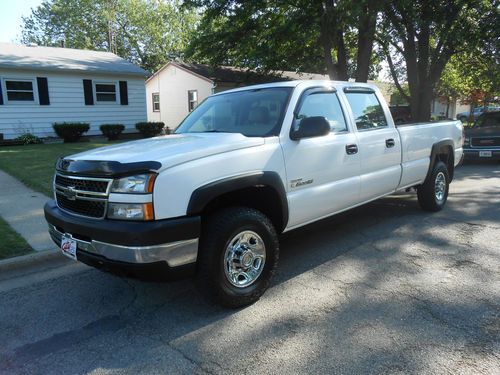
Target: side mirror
pixel 308 127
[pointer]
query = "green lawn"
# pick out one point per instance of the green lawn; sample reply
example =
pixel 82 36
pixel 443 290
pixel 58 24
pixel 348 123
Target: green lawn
pixel 34 164
pixel 11 243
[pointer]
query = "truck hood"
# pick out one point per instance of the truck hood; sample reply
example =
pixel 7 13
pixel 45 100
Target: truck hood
pixel 170 150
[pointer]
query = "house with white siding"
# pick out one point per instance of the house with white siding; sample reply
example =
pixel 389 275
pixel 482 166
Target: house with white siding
pixel 43 85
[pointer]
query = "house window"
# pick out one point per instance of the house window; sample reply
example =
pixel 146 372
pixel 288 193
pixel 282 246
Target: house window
pixel 19 90
pixel 105 92
pixel 156 102
pixel 192 99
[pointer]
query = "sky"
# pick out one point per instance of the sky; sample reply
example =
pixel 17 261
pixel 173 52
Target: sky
pixel 11 12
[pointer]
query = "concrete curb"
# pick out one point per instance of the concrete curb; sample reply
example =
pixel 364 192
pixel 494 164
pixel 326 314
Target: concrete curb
pixel 52 257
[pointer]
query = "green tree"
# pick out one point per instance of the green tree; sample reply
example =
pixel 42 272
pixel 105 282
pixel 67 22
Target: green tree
pixel 146 32
pixel 452 84
pixel 332 36
pixel 426 34
pixel 473 77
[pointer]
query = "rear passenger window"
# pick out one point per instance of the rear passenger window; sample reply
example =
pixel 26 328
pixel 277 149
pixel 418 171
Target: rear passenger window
pixel 325 104
pixel 368 112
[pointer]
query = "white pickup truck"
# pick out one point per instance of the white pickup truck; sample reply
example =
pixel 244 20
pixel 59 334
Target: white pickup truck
pixel 243 167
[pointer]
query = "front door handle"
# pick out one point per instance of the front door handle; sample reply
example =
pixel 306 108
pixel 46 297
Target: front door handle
pixel 390 143
pixel 351 149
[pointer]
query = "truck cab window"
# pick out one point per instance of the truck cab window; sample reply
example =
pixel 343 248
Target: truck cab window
pixel 253 113
pixel 367 111
pixel 325 104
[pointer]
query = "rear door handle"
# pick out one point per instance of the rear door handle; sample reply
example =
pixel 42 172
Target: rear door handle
pixel 351 149
pixel 390 143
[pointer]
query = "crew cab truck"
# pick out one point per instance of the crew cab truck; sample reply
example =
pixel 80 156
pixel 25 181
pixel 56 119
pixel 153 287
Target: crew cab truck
pixel 243 167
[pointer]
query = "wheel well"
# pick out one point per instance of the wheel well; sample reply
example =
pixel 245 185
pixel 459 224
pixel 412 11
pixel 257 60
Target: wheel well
pixel 446 155
pixel 263 198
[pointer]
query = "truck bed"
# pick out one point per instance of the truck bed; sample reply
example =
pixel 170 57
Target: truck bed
pixel 416 141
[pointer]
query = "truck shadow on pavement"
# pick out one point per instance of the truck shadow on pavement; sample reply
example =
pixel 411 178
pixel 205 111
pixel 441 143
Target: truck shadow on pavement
pixel 382 288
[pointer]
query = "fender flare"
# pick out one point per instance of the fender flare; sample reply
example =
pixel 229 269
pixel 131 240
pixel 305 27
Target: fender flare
pixel 206 193
pixel 440 148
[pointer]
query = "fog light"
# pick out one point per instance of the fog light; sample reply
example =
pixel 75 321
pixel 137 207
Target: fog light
pixel 130 211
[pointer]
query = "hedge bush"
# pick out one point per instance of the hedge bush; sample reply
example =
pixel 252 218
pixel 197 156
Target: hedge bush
pixel 29 139
pixel 150 129
pixel 70 131
pixel 112 131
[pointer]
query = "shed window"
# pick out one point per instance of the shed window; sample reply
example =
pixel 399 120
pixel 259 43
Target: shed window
pixel 156 102
pixel 105 92
pixel 192 99
pixel 19 90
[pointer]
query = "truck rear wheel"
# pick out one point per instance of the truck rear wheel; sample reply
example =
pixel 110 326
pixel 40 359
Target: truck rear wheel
pixel 238 256
pixel 433 193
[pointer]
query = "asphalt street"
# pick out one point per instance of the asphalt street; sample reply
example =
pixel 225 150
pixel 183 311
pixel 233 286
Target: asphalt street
pixel 385 288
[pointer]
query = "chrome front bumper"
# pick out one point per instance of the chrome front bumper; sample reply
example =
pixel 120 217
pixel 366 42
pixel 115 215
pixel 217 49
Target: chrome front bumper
pixel 176 254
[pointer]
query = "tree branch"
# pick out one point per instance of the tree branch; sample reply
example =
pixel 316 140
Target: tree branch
pixel 394 75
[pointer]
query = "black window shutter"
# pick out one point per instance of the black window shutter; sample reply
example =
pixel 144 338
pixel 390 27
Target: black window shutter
pixel 43 90
pixel 123 93
pixel 1 96
pixel 87 92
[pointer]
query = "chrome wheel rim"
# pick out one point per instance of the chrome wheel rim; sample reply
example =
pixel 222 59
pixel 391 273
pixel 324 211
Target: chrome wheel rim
pixel 244 259
pixel 440 186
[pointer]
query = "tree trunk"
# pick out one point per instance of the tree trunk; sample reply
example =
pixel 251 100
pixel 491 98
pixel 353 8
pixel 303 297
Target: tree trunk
pixel 343 74
pixel 366 36
pixel 326 41
pixel 331 68
pixel 421 102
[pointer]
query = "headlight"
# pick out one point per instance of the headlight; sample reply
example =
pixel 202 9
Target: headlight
pixel 141 183
pixel 131 211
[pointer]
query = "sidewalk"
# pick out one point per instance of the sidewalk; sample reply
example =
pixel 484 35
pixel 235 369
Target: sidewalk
pixel 22 208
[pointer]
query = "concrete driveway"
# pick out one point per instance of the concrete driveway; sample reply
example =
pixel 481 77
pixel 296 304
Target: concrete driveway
pixel 385 288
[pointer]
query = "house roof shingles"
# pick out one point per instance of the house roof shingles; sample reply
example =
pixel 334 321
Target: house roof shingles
pixel 65 59
pixel 231 74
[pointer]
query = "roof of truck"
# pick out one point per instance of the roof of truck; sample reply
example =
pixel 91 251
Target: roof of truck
pixel 306 83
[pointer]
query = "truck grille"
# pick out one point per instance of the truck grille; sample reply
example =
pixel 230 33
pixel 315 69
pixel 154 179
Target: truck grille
pixel 82 196
pixel 485 142
pixel 96 209
pixel 97 186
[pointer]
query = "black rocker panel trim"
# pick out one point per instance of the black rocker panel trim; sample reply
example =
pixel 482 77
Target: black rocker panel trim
pixel 442 147
pixel 98 168
pixel 205 194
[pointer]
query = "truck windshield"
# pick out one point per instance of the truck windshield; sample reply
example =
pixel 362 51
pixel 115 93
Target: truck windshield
pixel 253 113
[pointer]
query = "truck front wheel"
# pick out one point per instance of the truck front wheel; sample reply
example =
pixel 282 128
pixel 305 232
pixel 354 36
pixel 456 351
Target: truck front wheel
pixel 238 256
pixel 433 193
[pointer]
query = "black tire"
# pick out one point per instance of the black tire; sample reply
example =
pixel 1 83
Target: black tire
pixel 428 192
pixel 218 231
pixel 463 119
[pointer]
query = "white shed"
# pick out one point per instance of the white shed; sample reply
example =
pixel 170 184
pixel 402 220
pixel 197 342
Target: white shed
pixel 43 85
pixel 173 91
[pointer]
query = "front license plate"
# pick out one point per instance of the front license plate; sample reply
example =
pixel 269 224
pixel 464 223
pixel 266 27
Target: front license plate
pixel 68 247
pixel 485 154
